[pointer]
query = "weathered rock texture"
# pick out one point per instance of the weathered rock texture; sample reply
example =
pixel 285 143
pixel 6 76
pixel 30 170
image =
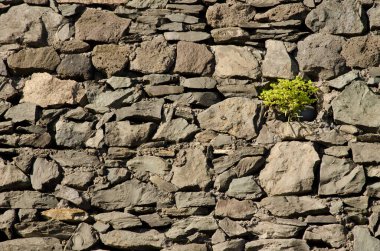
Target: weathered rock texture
pixel 137 125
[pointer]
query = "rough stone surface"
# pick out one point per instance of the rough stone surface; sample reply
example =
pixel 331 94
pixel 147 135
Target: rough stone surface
pixel 75 66
pixel 45 174
pixel 71 134
pixel 12 178
pixel 332 234
pixel 235 209
pixel 229 15
pixel 176 130
pixel 277 244
pixel 125 134
pixel 283 12
pixel 363 153
pixel 131 240
pixel 110 58
pixel 362 52
pixel 32 243
pixel 290 169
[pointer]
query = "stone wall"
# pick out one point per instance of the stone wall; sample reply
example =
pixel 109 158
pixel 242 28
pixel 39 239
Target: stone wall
pixel 135 124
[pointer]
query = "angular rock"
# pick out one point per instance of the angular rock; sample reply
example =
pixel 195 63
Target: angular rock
pixel 32 60
pixel 340 176
pixel 155 220
pixel 163 90
pixel 332 234
pixel 112 99
pixel 364 153
pixel 3 69
pixel 192 171
pixel 319 56
pixel 187 247
pixel 244 188
pixel 72 134
pixel 46 91
pixel 142 4
pixel 232 228
pixel 52 228
pixel 193 59
pixel 199 83
pixel 12 178
pixel 222 15
pixel 123 239
pixel 73 158
pixel 124 134
pixel 151 164
pixel 110 30
pixel 343 80
pixel 108 2
pixel 127 194
pixel 362 52
pixel 236 61
pixel 111 59
pixel 290 169
pixel 229 34
pixel 23 112
pixel 194 199
pixel 283 12
pixel 190 225
pixel 356 105
pixel 66 214
pixel 119 220
pixel 149 110
pixel 235 209
pixel 189 36
pixel 373 16
pixel 363 239
pixel 336 17
pixel 176 130
pixel 74 46
pixel 83 238
pixel 270 230
pixel 277 62
pixel 277 244
pixel 155 56
pixel 71 195
pixel 289 206
pixel 32 244
pixel 77 66
pixel 45 174
pixel 225 117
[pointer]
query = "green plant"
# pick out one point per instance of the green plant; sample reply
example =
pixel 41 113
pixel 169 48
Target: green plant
pixel 290 96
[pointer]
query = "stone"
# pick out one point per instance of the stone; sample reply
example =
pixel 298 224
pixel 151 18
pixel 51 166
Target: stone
pixel 182 18
pixel 119 220
pixel 189 36
pixel 151 164
pixel 244 188
pixel 192 171
pixel 77 66
pixel 229 34
pixel 319 56
pixel 156 220
pixel 162 184
pixel 110 30
pixel 12 177
pixel 71 195
pixel 3 69
pixel 112 99
pixel 47 91
pixel 332 234
pixel 123 239
pixel 235 209
pixel 66 214
pixel 108 2
pixel 321 219
pixel 33 243
pixel 363 239
pixel 119 82
pixel 225 117
pixel 235 244
pixel 222 15
pixel 289 169
pixel 232 228
pixel 74 46
pixel 336 17
pixel 373 16
pixel 73 158
pixel 361 52
pixel 127 194
pixel 194 199
pixel 32 60
pixel 72 134
pixel 277 244
pixel 175 130
pixel 83 238
pixel 355 105
pixel 51 228
pixel 7 220
pixel 163 90
pixel 111 59
pixel 236 61
pixel 46 174
pixel 24 112
pixel 35 25
pixel 147 111
pixel 193 59
pixel 190 225
pixel 283 12
pixel 364 153
pixel 123 133
pixel 118 175
pixel 289 206
pixel 343 80
pixel 271 230
pixel 187 247
pixel 249 165
pixel 155 56
pixel 277 62
pixel 340 176
pixel 142 4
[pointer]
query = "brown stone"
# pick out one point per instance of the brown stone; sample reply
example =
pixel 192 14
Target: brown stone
pixel 362 52
pixel 111 59
pixel 229 15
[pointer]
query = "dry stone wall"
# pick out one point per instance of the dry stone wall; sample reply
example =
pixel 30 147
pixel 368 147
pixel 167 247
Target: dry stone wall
pixel 136 125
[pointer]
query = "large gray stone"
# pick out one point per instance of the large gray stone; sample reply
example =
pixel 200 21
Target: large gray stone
pixel 32 244
pixel 289 169
pixel 27 200
pixel 45 174
pixel 84 237
pixel 51 228
pixel 24 112
pixel 142 4
pixel 364 153
pixel 272 230
pixel 235 209
pixel 77 66
pixel 236 61
pixel 229 15
pixel 194 199
pixel 277 244
pixel 244 188
pixel 147 110
pixel 277 62
pixel 110 30
pixel 357 105
pixel 175 130
pixel 12 177
pixel 151 164
pixel 319 56
pixel 226 117
pixel 123 133
pixel 332 234
pixel 340 176
pixel 374 17
pixel 229 34
pixel 362 52
pixel 283 12
pixel 337 17
pixel 123 239
pixel 189 36
pixel 363 239
pixel 72 134
pixel 191 224
pixel 119 220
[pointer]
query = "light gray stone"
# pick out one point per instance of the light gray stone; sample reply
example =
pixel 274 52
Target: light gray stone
pixel 149 110
pixel 125 134
pixel 343 80
pixel 332 234
pixel 176 130
pixel 363 153
pixel 199 83
pixel 151 164
pixel 194 199
pixel 119 220
pixel 229 34
pixel 244 188
pixel 363 239
pixel 222 15
pixel 189 36
pixel 51 228
pixel 130 240
pixel 277 244
pixel 71 195
pixel 272 230
pixel 373 16
pixel 235 209
pixel 24 112
pixel 142 4
pixel 27 200
pixel 45 174
pixel 32 244
pixel 72 134
pixel 12 177
pixel 7 220
pixel 231 245
pixel 191 224
pixel 283 12
pixel 83 238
